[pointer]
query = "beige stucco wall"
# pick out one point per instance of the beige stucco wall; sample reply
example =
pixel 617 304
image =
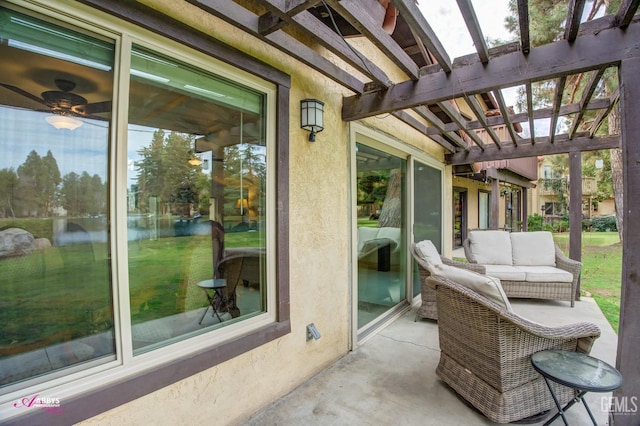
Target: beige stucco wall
pixel 319 257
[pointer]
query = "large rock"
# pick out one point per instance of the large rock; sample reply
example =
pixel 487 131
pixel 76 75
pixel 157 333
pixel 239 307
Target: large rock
pixel 15 242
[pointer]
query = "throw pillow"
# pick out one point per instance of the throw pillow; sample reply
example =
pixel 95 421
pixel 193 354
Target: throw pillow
pixel 428 252
pixel 489 287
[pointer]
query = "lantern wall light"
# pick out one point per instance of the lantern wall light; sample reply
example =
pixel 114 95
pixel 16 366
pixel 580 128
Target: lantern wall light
pixel 311 117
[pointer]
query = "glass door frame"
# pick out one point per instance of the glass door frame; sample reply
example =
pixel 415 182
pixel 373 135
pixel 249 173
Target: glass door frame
pixel 377 140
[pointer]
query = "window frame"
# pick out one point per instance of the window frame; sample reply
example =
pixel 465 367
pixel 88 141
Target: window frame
pixel 88 396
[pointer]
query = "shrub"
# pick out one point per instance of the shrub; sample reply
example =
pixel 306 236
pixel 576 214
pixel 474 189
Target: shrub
pixel 604 223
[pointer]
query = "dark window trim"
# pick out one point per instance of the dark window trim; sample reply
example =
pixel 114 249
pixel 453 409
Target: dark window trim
pixel 103 399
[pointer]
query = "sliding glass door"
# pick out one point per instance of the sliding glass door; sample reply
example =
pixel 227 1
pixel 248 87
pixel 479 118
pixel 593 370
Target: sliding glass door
pixel 381 222
pixel 427 210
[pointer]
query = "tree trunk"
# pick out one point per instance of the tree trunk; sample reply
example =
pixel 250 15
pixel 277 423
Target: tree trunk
pixel 391 213
pixel 617 169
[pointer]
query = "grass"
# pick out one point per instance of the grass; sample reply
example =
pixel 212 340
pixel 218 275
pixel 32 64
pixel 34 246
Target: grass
pixel 601 270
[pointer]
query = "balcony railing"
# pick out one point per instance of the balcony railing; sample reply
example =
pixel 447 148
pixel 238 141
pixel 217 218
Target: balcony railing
pixel 557 185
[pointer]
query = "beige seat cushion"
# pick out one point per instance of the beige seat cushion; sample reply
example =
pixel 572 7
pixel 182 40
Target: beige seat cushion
pixel 491 247
pixel 505 272
pixel 545 274
pixel 533 248
pixel 489 287
pixel 428 252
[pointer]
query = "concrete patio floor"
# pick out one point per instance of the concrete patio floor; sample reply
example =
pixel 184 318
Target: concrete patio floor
pixel 391 380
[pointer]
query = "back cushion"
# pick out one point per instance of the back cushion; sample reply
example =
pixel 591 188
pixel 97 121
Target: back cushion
pixel 489 287
pixel 533 248
pixel 428 252
pixel 490 247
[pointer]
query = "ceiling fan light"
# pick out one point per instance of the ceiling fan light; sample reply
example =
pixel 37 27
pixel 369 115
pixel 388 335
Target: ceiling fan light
pixel 64 122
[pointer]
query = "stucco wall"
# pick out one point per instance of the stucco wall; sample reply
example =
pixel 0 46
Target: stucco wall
pixel 319 257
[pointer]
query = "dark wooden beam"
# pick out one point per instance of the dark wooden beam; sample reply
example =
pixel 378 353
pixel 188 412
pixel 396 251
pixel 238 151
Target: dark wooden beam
pixel 523 22
pixel 242 18
pixel 418 24
pixel 574 15
pixel 553 60
pixel 587 92
pixel 532 129
pixel 557 103
pixel 525 148
pixel 625 14
pixel 332 41
pixel 478 111
pixel 357 14
pixel 604 113
pixel 428 115
pixel 421 127
pixel 505 116
pixel 575 208
pixel 452 112
pixel 470 18
pixel 538 114
pixel 629 329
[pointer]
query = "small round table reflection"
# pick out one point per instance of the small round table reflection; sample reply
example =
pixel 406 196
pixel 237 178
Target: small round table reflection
pixel 576 370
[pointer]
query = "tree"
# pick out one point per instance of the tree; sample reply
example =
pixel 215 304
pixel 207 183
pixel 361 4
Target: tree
pixel 8 188
pixel 164 172
pixel 38 180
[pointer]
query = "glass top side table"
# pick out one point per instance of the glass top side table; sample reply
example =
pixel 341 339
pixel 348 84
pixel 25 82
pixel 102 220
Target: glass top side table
pixel 578 371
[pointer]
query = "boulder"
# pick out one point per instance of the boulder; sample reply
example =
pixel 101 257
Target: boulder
pixel 15 242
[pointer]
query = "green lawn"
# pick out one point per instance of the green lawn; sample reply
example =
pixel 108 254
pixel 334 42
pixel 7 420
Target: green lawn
pixel 601 270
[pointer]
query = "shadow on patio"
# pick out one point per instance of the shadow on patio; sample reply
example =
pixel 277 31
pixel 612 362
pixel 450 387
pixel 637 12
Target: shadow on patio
pixel 391 379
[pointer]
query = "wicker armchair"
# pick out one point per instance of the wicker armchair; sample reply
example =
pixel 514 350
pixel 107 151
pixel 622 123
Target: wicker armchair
pixel 486 350
pixel 428 308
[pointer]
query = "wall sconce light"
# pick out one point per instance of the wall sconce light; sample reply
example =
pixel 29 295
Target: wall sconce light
pixel 311 117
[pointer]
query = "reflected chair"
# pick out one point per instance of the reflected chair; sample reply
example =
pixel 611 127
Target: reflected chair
pixel 485 353
pixel 203 258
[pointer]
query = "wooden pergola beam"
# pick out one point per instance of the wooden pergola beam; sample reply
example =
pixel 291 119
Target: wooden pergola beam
pixel 625 14
pixel 525 149
pixel 529 93
pixel 553 60
pixel 523 23
pixel 477 110
pixel 574 14
pixel 470 18
pixel 587 93
pixel 412 15
pixel 557 103
pixel 356 13
pixel 428 115
pixel 604 113
pixel 504 113
pixel 457 118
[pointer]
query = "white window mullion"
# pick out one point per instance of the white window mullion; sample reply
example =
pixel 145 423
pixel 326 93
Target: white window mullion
pixel 122 308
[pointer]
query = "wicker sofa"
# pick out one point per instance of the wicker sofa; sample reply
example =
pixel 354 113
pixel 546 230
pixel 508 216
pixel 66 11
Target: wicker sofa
pixel 529 264
pixel 485 352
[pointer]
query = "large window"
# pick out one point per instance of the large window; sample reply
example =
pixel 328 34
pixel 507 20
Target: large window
pixel 56 304
pixel 196 211
pixel 121 237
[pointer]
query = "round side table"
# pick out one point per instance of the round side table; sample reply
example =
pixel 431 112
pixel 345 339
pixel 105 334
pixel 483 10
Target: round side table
pixel 576 370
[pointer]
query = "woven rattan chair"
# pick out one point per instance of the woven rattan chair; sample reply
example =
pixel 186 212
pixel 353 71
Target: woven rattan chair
pixel 428 307
pixel 485 353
